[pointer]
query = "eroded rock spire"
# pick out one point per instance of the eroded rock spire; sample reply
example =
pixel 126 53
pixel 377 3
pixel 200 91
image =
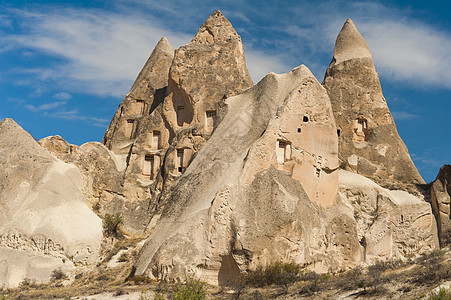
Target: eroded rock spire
pixel 369 143
pixel 350 44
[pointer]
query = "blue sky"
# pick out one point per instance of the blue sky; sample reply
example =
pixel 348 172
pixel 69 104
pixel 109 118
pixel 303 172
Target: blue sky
pixel 66 65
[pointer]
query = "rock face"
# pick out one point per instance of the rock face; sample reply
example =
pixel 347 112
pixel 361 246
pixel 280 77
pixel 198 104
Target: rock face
pixel 139 104
pixel 210 68
pixel 265 188
pixel 369 143
pixel 390 223
pixel 440 199
pixel 223 177
pixel 221 222
pixel 169 114
pixel 46 222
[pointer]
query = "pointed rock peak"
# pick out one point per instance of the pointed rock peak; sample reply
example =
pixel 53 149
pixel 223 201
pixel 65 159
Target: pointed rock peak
pixel 10 127
pixel 216 28
pixel 350 44
pixel 14 139
pixel 164 46
pixel 8 122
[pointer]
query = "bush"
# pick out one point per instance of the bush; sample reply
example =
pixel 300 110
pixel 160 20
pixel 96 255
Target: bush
pixel 279 273
pixel 375 271
pixel 111 225
pixel 58 274
pixel 434 255
pixel 441 294
pixel 192 289
pixel 123 257
pixel 145 295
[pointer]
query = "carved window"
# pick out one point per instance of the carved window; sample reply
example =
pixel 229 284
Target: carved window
pixel 283 151
pixel 180 115
pixel 155 143
pixel 129 129
pixel 210 120
pixel 179 161
pixel 361 130
pixel 139 107
pixel 151 166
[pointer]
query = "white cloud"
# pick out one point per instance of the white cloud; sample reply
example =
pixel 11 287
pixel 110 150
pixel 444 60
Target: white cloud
pixel 104 51
pixel 74 115
pixel 260 64
pixel 410 51
pixel 404 116
pixel 45 107
pixel 62 96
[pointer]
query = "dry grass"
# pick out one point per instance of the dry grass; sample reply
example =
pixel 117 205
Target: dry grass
pixel 384 280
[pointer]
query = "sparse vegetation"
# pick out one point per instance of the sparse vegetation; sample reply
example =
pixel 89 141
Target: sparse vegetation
pixel 278 273
pixel 112 225
pixel 392 279
pixel 58 274
pixel 96 207
pixel 192 289
pixel 441 294
pixel 123 257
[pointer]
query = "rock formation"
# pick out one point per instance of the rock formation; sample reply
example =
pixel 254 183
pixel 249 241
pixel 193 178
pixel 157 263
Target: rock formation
pixel 440 192
pixel 369 143
pixel 169 113
pixel 222 176
pixel 265 188
pixel 46 222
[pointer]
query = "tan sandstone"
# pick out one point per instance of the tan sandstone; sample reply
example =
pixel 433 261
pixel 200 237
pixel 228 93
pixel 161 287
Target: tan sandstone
pixel 46 222
pixel 369 143
pixel 440 193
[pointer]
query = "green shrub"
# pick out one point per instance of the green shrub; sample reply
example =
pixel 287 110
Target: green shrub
pixel 433 255
pixel 192 289
pixel 123 257
pixel 145 295
pixel 112 225
pixel 279 273
pixel 58 274
pixel 441 294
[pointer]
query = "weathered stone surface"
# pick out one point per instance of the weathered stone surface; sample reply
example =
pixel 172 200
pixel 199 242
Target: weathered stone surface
pixel 390 223
pixel 138 137
pixel 240 205
pixel 45 218
pixel 440 192
pixel 103 177
pixel 211 67
pixel 151 144
pixel 220 224
pixel 145 95
pixel 224 176
pixel 369 143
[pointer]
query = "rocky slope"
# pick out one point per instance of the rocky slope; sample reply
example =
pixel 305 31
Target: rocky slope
pixel 222 176
pixel 261 191
pixel 369 143
pixel 45 220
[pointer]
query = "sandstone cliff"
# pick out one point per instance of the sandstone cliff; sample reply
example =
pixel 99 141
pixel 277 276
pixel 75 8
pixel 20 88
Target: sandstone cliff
pixel 440 192
pixel 169 114
pixel 369 143
pixel 45 221
pixel 257 193
pixel 223 176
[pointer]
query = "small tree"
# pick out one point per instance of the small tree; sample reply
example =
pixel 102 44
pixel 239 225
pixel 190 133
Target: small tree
pixel 193 289
pixel 111 225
